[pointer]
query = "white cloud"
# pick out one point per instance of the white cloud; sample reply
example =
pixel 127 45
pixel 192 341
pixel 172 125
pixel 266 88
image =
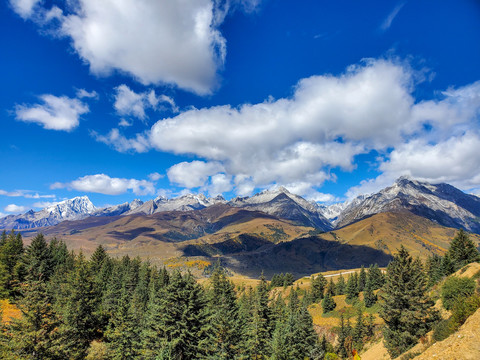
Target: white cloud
pixel 219 184
pixel 121 143
pixel 29 194
pixel 82 93
pixel 130 103
pixel 55 113
pixel 24 8
pixel 389 19
pixel 104 184
pixel 12 208
pixel 124 123
pixel 44 204
pixel 155 176
pixel 193 174
pixel 325 123
pixel 155 42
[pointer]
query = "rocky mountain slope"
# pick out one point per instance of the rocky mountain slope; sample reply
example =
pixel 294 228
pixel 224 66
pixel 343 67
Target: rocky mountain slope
pixel 442 203
pixel 283 204
pixel 72 209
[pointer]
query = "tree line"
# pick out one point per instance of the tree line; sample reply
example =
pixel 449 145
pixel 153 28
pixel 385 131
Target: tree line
pixel 108 308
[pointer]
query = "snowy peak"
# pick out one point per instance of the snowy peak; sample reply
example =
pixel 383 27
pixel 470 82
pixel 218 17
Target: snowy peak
pixel 120 209
pixel 71 209
pixel 441 203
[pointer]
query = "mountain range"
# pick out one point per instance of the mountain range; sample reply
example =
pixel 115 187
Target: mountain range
pixel 441 203
pixel 273 231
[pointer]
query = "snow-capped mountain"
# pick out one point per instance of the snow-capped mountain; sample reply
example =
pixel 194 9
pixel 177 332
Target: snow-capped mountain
pixel 183 203
pixel 120 209
pixel 72 209
pixel 441 203
pixel 283 204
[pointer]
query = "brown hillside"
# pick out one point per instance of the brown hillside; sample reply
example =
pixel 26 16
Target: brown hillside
pixel 461 345
pixel 387 231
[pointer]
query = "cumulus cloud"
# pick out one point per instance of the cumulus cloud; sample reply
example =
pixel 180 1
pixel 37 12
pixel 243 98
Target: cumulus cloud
pixel 104 184
pixel 12 208
pixel 55 113
pixel 130 103
pixel 175 42
pixel 24 8
pixel 122 144
pixel 328 121
pixel 193 174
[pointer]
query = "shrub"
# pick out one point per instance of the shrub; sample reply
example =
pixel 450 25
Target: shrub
pixel 455 289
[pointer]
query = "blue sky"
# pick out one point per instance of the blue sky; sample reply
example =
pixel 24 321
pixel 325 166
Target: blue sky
pixel 124 100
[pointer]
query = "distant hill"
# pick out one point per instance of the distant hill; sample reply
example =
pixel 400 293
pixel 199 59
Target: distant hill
pixel 388 230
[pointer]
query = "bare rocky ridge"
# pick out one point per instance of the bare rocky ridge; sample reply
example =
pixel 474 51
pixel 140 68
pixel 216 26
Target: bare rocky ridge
pixel 442 203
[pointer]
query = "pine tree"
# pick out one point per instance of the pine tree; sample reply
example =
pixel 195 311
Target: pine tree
pixel 462 250
pixel 352 287
pixel 34 336
pixel 80 324
pixel 448 266
pixel 369 296
pixel 123 333
pixel 344 338
pixel 224 319
pixel 97 259
pixel 435 271
pixel 362 279
pixel 260 328
pixel 376 276
pixel 358 332
pixel 328 304
pixel 331 288
pixel 176 321
pixel 11 251
pixel 318 287
pixel 340 286
pixel 407 310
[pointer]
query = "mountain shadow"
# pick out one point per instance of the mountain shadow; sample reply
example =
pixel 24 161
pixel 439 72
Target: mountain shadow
pixel 301 257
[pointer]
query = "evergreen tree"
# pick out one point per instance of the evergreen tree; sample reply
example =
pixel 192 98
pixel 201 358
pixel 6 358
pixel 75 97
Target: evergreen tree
pixel 448 266
pixel 38 261
pixel 340 286
pixel 97 259
pixel 362 279
pixel 376 276
pixel 123 333
pixel 462 250
pixel 369 296
pixel 434 269
pixel 352 287
pixel 34 336
pixel 318 287
pixel 176 321
pixel 328 304
pixel 358 332
pixel 288 279
pixel 11 251
pixel 344 338
pixel 224 319
pixel 407 310
pixel 370 326
pixel 331 288
pixel 260 328
pixel 78 311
